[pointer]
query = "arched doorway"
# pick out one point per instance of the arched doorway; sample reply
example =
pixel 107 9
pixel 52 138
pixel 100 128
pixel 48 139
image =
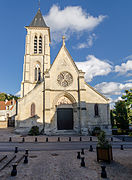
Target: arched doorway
pixel 64 118
pixel 64 114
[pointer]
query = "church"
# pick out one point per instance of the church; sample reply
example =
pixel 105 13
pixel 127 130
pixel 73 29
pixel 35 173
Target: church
pixel 55 97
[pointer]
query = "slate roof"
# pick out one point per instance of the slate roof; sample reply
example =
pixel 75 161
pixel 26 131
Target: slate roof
pixel 38 20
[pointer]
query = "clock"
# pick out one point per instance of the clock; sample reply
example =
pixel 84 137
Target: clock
pixel 64 79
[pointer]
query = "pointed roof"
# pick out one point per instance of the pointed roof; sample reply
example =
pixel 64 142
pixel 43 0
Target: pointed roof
pixel 38 20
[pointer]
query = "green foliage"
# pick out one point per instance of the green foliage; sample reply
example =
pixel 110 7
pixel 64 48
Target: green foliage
pixel 121 115
pixel 96 131
pixel 4 96
pixel 34 131
pixel 112 118
pixel 102 141
pixel 128 102
pixel 130 133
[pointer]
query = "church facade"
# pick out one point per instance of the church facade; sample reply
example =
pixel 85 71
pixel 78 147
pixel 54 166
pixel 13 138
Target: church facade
pixel 56 97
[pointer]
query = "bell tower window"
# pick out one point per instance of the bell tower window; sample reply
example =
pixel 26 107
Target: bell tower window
pixel 35 45
pixel 40 45
pixel 37 73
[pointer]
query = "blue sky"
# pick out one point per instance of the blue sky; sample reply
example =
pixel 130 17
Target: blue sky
pixel 99 38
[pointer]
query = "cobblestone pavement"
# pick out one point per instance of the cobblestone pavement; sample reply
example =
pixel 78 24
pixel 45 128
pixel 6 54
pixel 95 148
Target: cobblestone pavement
pixel 63 165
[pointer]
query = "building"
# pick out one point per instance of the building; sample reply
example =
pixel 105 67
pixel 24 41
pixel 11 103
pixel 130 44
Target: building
pixel 56 97
pixel 7 113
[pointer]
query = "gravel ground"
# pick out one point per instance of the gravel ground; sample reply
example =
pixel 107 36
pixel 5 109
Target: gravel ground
pixel 63 165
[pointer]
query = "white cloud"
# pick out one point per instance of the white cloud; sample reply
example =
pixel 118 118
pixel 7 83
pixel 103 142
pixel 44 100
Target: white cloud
pixel 112 88
pixel 18 93
pixel 130 80
pixel 124 68
pixel 94 67
pixel 70 19
pixel 88 43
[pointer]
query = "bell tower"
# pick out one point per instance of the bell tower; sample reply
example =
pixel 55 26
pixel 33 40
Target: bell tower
pixel 37 53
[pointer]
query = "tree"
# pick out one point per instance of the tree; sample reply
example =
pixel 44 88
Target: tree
pixel 4 96
pixel 121 115
pixel 112 118
pixel 127 97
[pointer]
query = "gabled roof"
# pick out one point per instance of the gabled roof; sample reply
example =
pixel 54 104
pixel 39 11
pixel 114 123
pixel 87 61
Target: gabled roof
pixel 72 61
pixel 97 92
pixel 38 20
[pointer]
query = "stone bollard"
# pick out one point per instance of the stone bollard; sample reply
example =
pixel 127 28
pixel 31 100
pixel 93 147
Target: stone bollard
pixel 36 140
pixel 111 139
pixel 14 170
pixel 82 162
pixel 25 159
pixel 46 139
pixel 103 173
pixel 23 139
pixel 26 151
pixel 16 149
pixel 58 139
pixel 80 138
pixel 10 140
pixel 122 147
pixel 69 138
pixel 78 155
pixel 90 138
pixel 82 152
pixel 91 148
pixel 123 139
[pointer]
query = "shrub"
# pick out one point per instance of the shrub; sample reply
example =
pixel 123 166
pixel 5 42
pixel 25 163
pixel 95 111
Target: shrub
pixel 34 131
pixel 96 131
pixel 102 141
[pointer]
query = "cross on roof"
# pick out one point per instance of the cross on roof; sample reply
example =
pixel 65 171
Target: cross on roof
pixel 63 38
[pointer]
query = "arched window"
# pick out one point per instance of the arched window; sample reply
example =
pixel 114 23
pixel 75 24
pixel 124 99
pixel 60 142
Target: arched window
pixel 32 109
pixel 37 73
pixel 35 45
pixel 40 45
pixel 96 110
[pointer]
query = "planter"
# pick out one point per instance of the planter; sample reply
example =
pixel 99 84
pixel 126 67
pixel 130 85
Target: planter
pixel 104 154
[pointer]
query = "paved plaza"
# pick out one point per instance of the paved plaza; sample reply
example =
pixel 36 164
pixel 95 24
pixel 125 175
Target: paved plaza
pixel 61 164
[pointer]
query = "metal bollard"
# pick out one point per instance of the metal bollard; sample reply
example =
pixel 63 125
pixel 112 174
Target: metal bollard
pixel 14 170
pixel 46 139
pixel 10 140
pixel 23 139
pixel 58 139
pixel 103 173
pixel 78 155
pixel 91 148
pixel 36 140
pixel 90 138
pixel 111 139
pixel 122 147
pixel 69 138
pixel 26 151
pixel 16 149
pixel 82 162
pixel 25 159
pixel 80 138
pixel 82 152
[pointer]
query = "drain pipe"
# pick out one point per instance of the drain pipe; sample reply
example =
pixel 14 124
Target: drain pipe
pixel 43 130
pixel 79 105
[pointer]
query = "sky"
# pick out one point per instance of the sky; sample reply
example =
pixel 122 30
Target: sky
pixel 98 37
